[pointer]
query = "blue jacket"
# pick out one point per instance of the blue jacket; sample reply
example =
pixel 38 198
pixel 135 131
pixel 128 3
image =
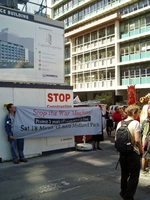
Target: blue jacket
pixel 8 126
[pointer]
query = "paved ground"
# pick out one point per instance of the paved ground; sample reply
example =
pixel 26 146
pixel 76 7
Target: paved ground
pixel 75 175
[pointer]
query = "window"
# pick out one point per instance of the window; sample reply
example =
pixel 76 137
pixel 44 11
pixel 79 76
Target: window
pixel 102 53
pixel 126 73
pixel 110 74
pixel 136 21
pixel 126 27
pixel 132 73
pixel 143 71
pixel 137 71
pixel 102 75
pixel 87 38
pixel 142 21
pixel 75 17
pixel 102 33
pixel 132 25
pixel 60 9
pixel 125 11
pixel 122 28
pixel 140 4
pixel 148 46
pixel 94 35
pixel 80 40
pixel 94 76
pixel 70 19
pixel 87 77
pixel 55 12
pixel 94 55
pixel 80 58
pixel 87 57
pixel 137 48
pixel 126 50
pixel 65 7
pixel 143 46
pixel 99 4
pixel 75 2
pixel 69 3
pixel 80 78
pixel 81 14
pixel 76 41
pixel 86 10
pixel 93 7
pixel 110 52
pixel 122 51
pixel 110 30
pixel 145 3
pixel 148 71
pixel 147 20
pixel 131 49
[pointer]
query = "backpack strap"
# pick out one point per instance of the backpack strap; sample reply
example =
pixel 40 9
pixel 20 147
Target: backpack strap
pixel 123 122
pixel 126 122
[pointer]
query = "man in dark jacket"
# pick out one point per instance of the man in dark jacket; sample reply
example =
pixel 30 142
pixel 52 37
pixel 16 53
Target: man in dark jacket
pixel 15 144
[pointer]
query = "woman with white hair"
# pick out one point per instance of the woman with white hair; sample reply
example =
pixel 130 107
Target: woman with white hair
pixel 145 131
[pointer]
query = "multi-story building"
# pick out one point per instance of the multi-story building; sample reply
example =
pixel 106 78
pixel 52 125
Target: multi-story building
pixel 11 51
pixel 107 46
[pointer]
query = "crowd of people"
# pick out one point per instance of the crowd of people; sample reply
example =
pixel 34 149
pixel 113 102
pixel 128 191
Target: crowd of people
pixel 130 164
pixel 139 128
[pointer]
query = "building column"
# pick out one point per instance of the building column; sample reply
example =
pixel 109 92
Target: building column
pixel 117 56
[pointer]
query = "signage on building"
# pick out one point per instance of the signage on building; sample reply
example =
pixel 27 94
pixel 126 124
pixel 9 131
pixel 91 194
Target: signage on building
pixel 31 48
pixel 59 98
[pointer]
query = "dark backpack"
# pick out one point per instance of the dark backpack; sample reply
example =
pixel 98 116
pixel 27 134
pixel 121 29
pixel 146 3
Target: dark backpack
pixel 123 139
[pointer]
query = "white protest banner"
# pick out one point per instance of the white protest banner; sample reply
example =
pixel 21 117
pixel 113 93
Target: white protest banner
pixel 31 122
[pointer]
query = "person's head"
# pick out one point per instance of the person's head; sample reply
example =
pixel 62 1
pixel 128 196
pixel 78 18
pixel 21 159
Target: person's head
pixel 108 108
pixel 124 108
pixel 143 114
pixel 11 108
pixel 117 109
pixel 133 111
pixel 100 107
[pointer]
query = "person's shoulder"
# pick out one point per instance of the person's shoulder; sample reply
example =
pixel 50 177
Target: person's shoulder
pixel 135 124
pixel 7 116
pixel 135 121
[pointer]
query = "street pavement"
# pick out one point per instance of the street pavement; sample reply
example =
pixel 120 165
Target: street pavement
pixel 72 175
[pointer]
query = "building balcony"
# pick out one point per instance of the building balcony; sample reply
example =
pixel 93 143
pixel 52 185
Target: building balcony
pixel 94 85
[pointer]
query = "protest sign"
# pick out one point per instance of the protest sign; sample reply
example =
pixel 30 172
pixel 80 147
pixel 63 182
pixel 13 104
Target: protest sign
pixel 31 122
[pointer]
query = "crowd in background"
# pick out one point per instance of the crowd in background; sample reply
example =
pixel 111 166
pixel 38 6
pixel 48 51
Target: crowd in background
pixel 113 118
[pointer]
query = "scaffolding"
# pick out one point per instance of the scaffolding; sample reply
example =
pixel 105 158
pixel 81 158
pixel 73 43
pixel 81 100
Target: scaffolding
pixel 37 7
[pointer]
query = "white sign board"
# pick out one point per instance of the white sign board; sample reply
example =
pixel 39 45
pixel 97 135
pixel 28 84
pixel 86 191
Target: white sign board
pixel 31 48
pixel 32 122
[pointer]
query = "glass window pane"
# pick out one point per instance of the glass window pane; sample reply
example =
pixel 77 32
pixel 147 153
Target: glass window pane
pixel 87 37
pixel 142 22
pixel 131 49
pixel 126 50
pixel 102 32
pixel 94 35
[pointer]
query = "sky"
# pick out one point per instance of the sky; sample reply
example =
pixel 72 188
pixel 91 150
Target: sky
pixel 31 8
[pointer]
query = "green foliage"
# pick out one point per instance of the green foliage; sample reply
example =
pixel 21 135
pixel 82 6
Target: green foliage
pixel 104 99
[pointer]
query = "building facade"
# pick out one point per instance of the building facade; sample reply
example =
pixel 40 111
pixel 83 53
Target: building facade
pixel 107 46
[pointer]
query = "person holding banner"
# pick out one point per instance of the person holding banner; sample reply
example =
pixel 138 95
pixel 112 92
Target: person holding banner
pixel 99 137
pixel 15 144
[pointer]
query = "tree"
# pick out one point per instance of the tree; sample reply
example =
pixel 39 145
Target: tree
pixel 104 99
